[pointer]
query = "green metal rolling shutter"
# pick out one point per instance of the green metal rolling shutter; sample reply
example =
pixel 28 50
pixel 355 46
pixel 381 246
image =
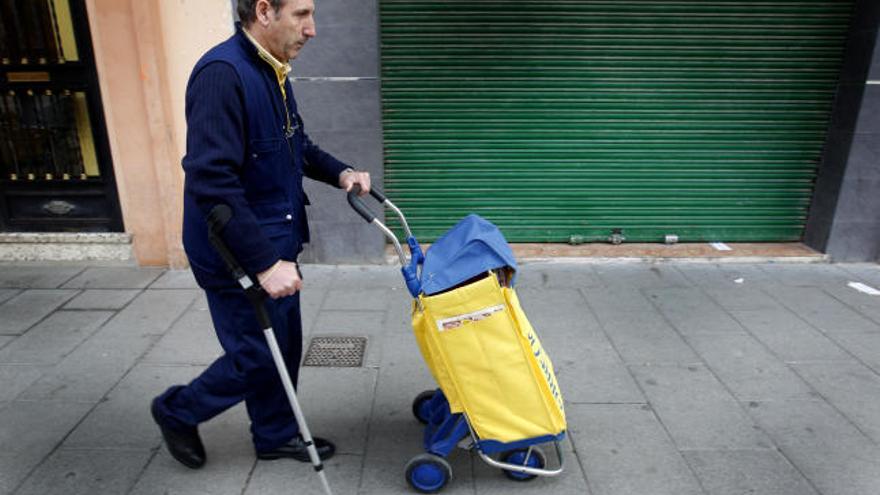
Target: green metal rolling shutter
pixel 554 118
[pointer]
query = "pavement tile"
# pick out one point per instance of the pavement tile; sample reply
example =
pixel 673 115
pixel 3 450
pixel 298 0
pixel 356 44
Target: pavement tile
pixel 789 337
pixel 90 371
pixel 36 427
pixel 737 472
pixel 230 461
pixel 558 311
pixel 806 275
pixel 582 383
pixel 24 310
pixel 53 338
pixel 556 275
pixel 93 368
pixel 6 294
pixel 709 275
pixel 692 312
pixel 696 409
pixel 14 379
pixel 122 420
pixel 850 387
pixel 864 346
pixel 824 312
pixel 36 276
pixel 310 302
pixel 190 341
pixel 175 279
pixel 151 313
pixel 749 272
pixel 398 315
pixel 610 302
pixel 320 276
pixel 825 447
pixel 625 450
pixel 866 305
pixel 364 277
pixel 343 472
pixel 490 480
pixel 568 346
pixel 356 300
pixel 86 472
pixel 102 299
pixel 748 369
pixel 14 468
pixel 640 275
pixel 337 403
pixel 115 278
pixel 868 273
pixel 644 337
pixel 743 297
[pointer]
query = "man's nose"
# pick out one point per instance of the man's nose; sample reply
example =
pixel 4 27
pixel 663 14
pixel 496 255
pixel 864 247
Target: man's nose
pixel 310 30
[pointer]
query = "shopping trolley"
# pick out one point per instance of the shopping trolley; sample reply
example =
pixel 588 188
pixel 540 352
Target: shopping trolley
pixel 497 394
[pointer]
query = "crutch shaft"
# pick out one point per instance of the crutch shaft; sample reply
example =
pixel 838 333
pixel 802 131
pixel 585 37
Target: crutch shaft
pixel 294 404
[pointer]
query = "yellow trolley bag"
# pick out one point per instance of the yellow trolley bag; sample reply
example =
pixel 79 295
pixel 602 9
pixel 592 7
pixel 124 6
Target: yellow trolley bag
pixel 498 392
pixel 489 361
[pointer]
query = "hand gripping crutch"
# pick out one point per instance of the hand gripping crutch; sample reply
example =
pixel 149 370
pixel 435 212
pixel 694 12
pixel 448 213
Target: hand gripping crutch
pixel 217 220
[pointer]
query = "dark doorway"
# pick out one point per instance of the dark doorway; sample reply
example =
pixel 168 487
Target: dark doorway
pixel 55 168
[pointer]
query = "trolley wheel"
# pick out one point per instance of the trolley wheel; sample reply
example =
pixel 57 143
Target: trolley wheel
pixel 420 406
pixel 536 459
pixel 428 473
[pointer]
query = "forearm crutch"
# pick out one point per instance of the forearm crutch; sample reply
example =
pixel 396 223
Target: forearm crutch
pixel 217 220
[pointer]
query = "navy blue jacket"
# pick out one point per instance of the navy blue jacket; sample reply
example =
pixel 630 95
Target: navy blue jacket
pixel 238 152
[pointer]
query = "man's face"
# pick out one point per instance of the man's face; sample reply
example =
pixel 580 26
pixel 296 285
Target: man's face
pixel 289 28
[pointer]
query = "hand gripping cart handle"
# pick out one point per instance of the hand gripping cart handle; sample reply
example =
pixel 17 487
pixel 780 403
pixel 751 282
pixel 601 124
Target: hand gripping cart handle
pixel 217 220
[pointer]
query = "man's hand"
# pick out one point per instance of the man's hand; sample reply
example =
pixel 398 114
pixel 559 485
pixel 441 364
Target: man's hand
pixel 349 177
pixel 282 279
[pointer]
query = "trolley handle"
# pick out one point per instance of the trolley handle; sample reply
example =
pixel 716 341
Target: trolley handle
pixel 355 201
pixel 417 257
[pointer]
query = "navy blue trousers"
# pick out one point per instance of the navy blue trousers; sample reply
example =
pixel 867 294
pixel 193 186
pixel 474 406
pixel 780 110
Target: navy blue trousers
pixel 246 370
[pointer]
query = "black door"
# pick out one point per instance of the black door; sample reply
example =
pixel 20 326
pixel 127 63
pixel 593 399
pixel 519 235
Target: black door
pixel 55 168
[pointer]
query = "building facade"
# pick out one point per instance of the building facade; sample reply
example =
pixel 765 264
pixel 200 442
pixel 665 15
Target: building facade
pixel 573 122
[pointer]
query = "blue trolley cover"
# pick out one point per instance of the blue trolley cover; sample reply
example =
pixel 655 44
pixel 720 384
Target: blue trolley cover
pixel 473 246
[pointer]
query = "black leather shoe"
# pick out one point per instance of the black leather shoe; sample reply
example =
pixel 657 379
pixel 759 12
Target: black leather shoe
pixel 183 444
pixel 296 449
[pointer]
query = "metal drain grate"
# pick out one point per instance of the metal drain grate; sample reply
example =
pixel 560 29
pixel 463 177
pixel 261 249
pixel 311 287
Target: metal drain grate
pixel 336 352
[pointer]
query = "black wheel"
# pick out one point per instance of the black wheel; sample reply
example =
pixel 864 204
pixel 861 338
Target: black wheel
pixel 428 473
pixel 420 406
pixel 536 459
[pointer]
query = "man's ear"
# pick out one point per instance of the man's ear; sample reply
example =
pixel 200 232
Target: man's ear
pixel 263 9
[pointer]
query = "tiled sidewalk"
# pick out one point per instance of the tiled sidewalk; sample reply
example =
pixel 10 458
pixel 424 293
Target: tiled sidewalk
pixel 680 378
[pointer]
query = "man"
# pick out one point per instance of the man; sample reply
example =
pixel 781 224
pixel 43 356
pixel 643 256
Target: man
pixel 246 147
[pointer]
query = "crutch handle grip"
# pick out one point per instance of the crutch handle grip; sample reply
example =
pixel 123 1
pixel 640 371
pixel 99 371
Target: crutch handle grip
pixel 217 219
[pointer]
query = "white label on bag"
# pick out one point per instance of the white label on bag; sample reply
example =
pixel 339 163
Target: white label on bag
pixel 458 321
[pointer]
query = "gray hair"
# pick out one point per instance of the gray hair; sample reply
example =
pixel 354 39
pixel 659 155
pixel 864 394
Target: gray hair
pixel 247 12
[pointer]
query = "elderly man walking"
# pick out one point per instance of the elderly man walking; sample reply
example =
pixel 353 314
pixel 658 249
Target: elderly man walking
pixel 247 148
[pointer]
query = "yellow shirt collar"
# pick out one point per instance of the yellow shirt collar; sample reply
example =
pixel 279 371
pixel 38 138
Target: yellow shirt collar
pixel 281 69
